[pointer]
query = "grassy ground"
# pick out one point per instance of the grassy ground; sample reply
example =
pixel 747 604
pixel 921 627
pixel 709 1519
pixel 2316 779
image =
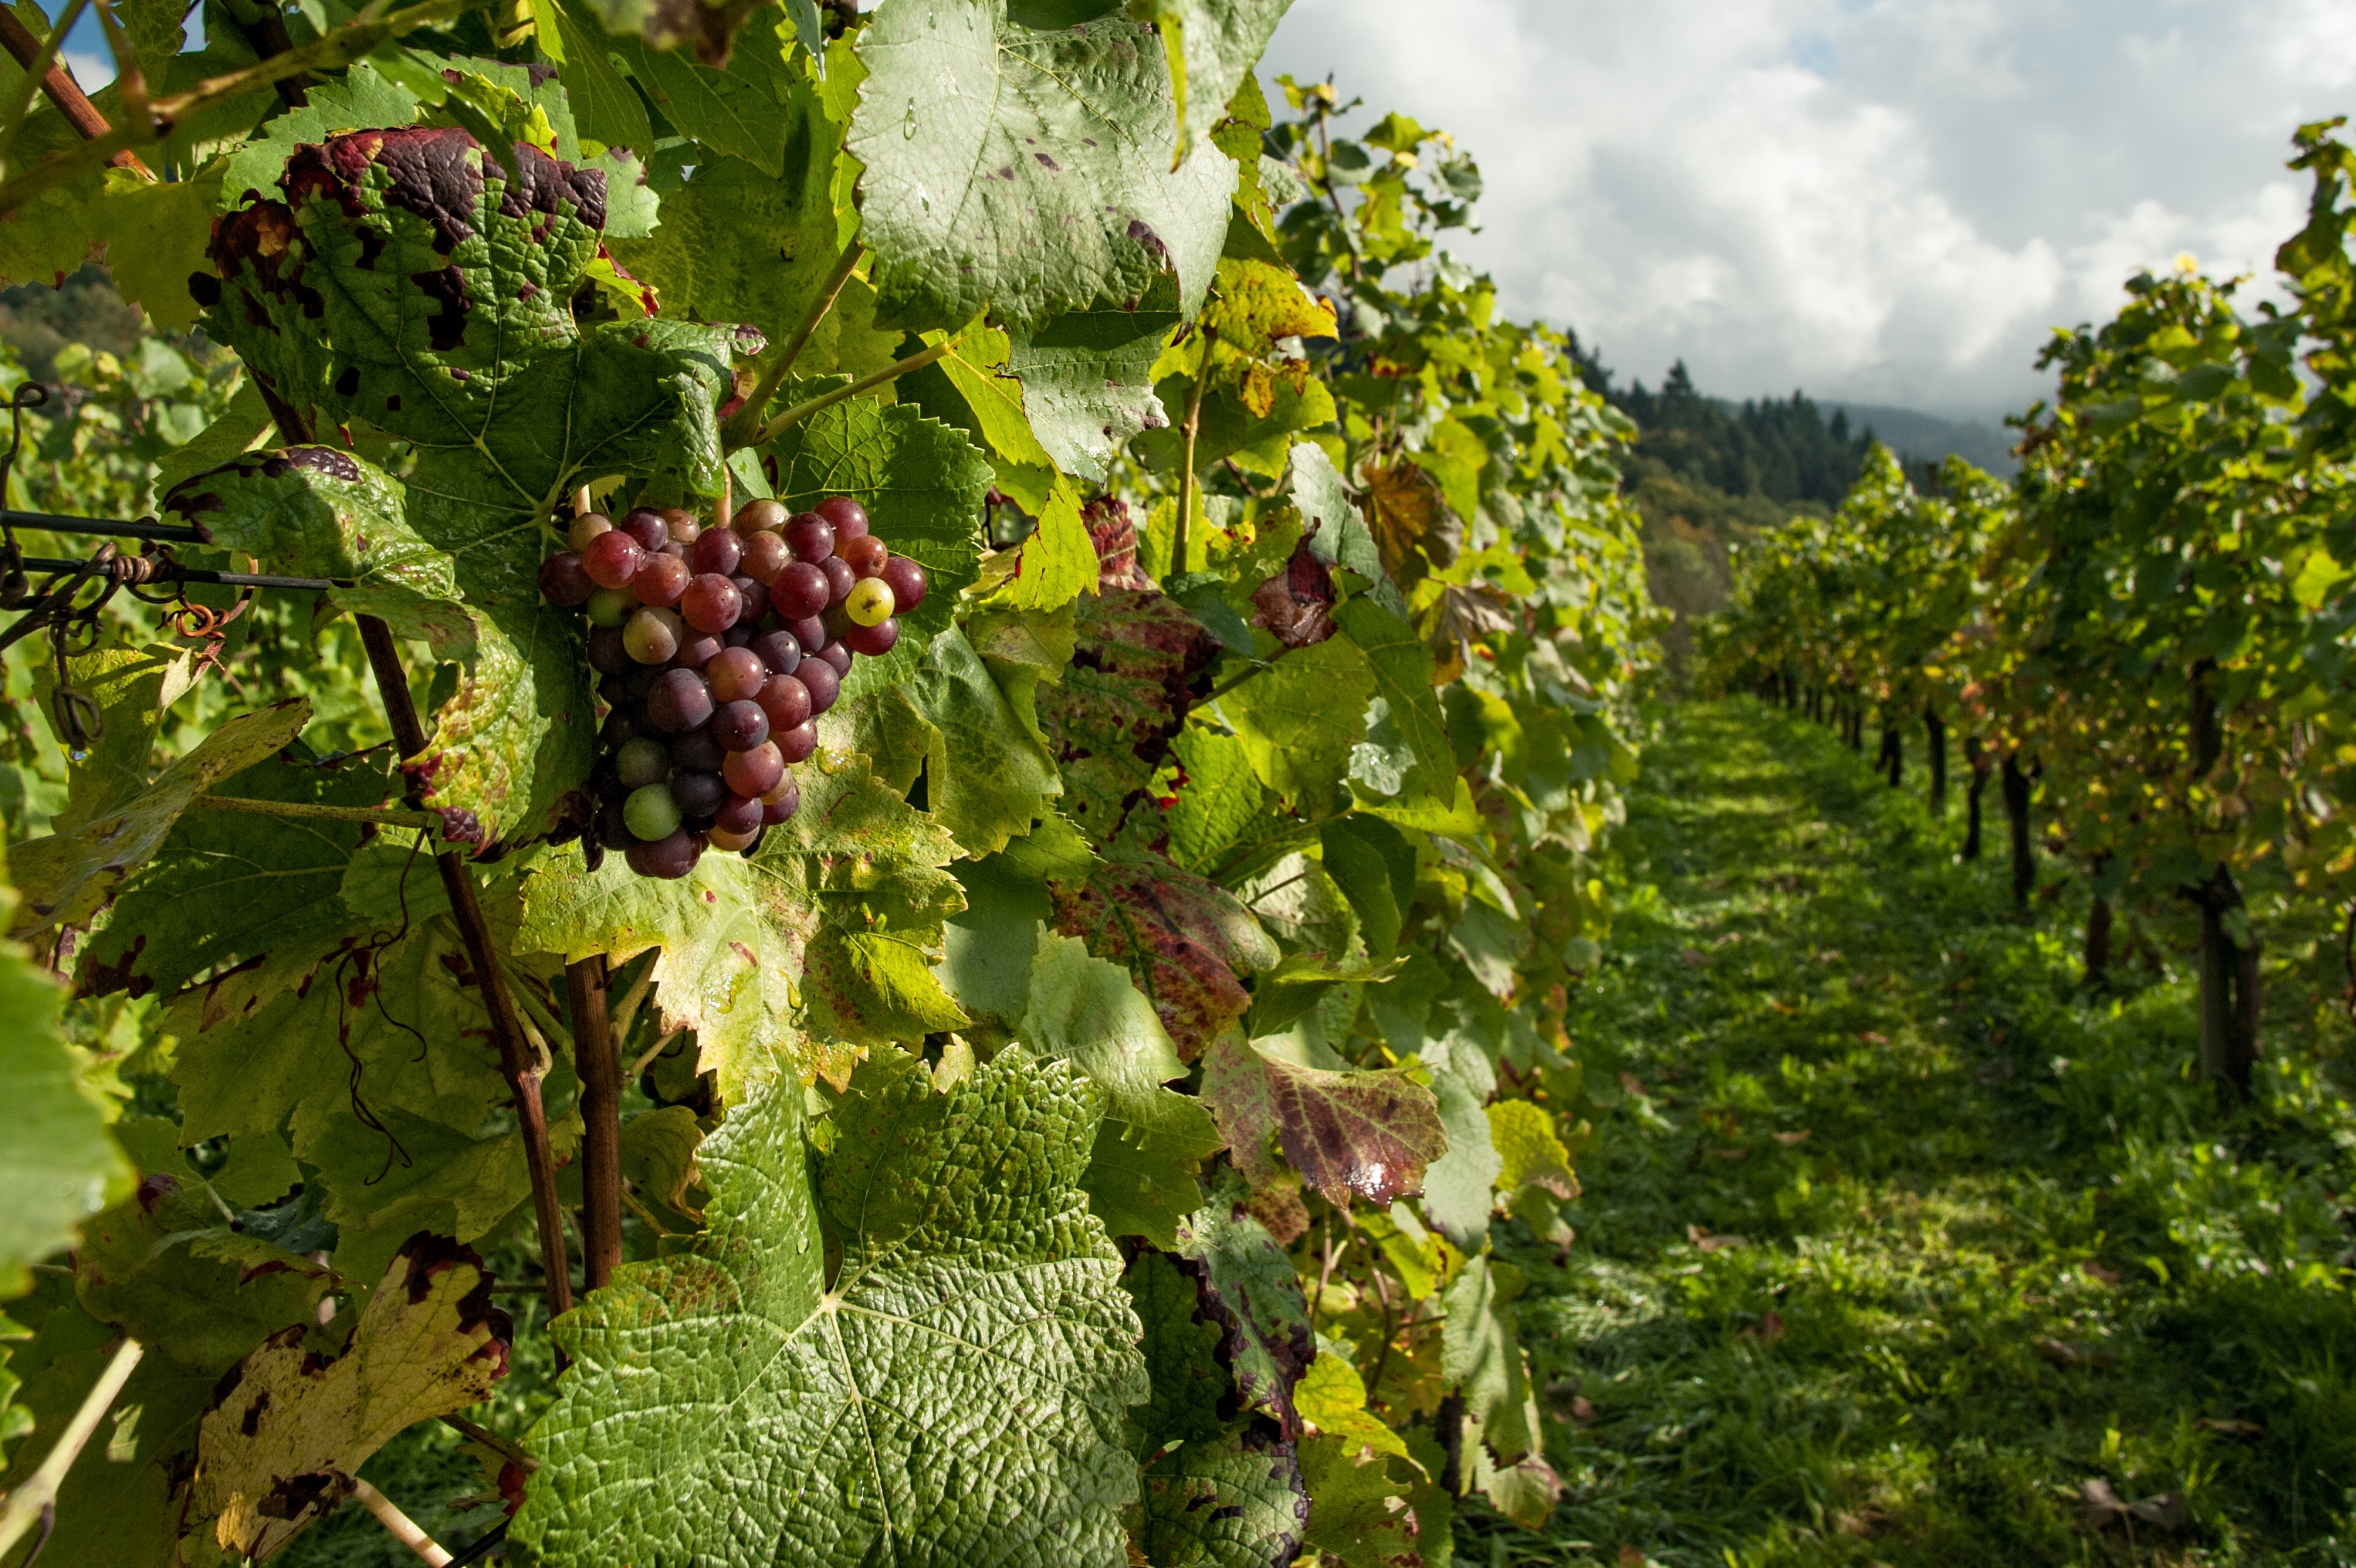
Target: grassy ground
pixel 1898 1246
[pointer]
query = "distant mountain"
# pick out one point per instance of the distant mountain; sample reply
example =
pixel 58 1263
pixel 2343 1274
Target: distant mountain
pixel 1926 438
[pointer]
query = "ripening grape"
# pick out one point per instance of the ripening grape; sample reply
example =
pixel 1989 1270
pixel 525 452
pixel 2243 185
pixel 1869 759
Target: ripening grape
pixel 711 603
pixel 874 641
pixel 698 794
pixel 778 650
pixel 908 583
pixel 612 607
pixel 799 591
pixel 638 681
pixel 653 636
pixel 786 702
pixel 718 551
pixel 780 803
pixel 870 601
pixel 753 772
pixel 764 516
pixel 765 555
pixel 612 559
pixel 678 702
pixel 736 674
pixel 684 528
pixel 737 815
pixel 810 536
pixel 840 578
pixel 865 556
pixel 661 580
pixel 650 813
pixel 671 858
pixel 796 744
pixel 739 726
pixel 562 582
pixel 646 527
pixel 587 527
pixel 822 681
pixel 848 518
pixel 642 761
pixel 722 839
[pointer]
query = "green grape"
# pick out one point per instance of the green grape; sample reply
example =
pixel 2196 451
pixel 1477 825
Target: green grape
pixel 612 607
pixel 868 603
pixel 650 813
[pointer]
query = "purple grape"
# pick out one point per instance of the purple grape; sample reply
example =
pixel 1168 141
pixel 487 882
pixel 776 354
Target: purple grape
pixel 786 702
pixel 678 701
pixel 646 527
pixel 908 582
pixel 752 597
pixel 799 590
pixel 780 803
pixel 611 829
pixel 836 654
pixel 606 654
pixel 697 651
pixel 619 729
pixel 740 726
pixel 850 519
pixel 797 744
pixel 698 794
pixel 718 551
pixel 609 689
pixel 780 651
pixel 809 631
pixel 824 684
pixel 810 536
pixel 697 752
pixel 737 815
pixel 840 578
pixel 874 641
pixel 669 858
pixel 562 582
pixel 639 682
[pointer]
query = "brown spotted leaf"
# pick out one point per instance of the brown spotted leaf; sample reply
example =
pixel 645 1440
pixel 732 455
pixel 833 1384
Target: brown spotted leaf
pixel 291 1426
pixel 1187 941
pixel 1248 1286
pixel 1357 1132
pixel 1296 606
pixel 1122 698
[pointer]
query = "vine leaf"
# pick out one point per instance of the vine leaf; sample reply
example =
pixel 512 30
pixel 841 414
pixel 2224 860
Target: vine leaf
pixel 980 134
pixel 1082 1010
pixel 1087 378
pixel 954 1386
pixel 67 877
pixel 140 1267
pixel 1124 694
pixel 1185 940
pixel 290 1429
pixel 1299 718
pixel 1211 48
pixel 1400 663
pixel 1364 1132
pixel 1457 1188
pixel 1249 1287
pixel 1530 1149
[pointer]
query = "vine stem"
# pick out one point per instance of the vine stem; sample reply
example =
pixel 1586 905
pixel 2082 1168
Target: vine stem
pixel 594 1059
pixel 345 45
pixel 746 420
pixel 58 82
pixel 824 400
pixel 398 1525
pixel 382 816
pixel 1192 428
pixel 34 1503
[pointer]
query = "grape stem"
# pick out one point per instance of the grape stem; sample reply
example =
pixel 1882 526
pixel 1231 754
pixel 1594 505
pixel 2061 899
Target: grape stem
pixel 747 419
pixel 824 400
pixel 379 816
pixel 58 82
pixel 34 1503
pixel 398 1525
pixel 1192 428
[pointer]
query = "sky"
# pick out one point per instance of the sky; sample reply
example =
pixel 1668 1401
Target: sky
pixel 1881 201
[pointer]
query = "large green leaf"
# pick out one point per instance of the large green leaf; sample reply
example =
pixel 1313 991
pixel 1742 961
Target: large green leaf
pixel 1026 171
pixel 1087 378
pixel 987 778
pixel 1219 800
pixel 1212 47
pixel 142 1267
pixel 1299 718
pixel 1152 1140
pixel 1400 662
pixel 58 1166
pixel 950 1391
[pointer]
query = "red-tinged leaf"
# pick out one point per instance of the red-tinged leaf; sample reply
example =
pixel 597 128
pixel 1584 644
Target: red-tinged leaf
pixel 1186 940
pixel 1248 1286
pixel 1124 695
pixel 1367 1133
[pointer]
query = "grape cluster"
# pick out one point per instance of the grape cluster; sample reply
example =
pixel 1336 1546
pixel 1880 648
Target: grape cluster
pixel 716 648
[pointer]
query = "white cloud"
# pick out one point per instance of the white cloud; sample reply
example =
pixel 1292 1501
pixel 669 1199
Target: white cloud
pixel 1881 200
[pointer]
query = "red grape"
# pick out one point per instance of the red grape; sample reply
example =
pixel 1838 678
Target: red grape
pixel 722 839
pixel 822 681
pixel 866 554
pixel 678 702
pixel 850 519
pixel 697 651
pixel 698 794
pixel 587 527
pixel 837 655
pixel 612 559
pixel 800 590
pixel 711 603
pixel 669 858
pixel 718 551
pixel 563 581
pixel 778 650
pixel 840 579
pixel 786 702
pixel 796 745
pixel 738 814
pixel 780 803
pixel 874 641
pixel 739 726
pixel 907 580
pixel 736 674
pixel 606 654
pixel 753 597
pixel 763 516
pixel 753 772
pixel 661 580
pixel 810 536
pixel 697 752
pixel 646 527
pixel 764 555
pixel 809 631
pixel 684 529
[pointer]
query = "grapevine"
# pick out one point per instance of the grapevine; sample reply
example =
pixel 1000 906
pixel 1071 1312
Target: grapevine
pixel 1016 713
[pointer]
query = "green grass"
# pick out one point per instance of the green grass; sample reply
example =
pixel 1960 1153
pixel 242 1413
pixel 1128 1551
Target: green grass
pixel 2003 1246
